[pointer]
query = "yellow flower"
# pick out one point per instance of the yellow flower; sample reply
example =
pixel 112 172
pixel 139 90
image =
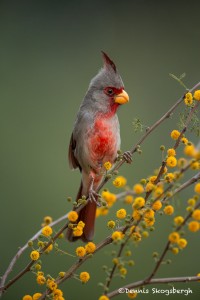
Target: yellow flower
pixel 36 296
pixel 80 251
pixel 149 187
pixel 171 161
pixel 197 95
pixel 41 279
pixel 191 201
pixel 138 202
pixel 169 177
pixel 168 210
pixel 81 224
pixel 197 188
pixel 137 215
pixel 138 188
pixel 188 99
pixel 49 249
pixel 119 181
pixel 178 220
pixel 136 236
pixel 121 213
pixel 107 165
pixel 27 297
pixel 189 150
pixel 171 152
pixel 149 221
pixel 158 191
pixel 39 273
pixel 174 237
pixel 195 165
pixel 103 298
pixel 72 216
pixel 90 247
pixel 157 205
pixel 111 224
pixel 132 295
pixel 52 285
pixel 77 231
pixel 115 261
pixel 84 276
pixel 57 293
pixel 117 235
pixel 123 271
pixel 38 267
pixel 152 179
pixel 193 226
pixel 128 199
pixel 196 214
pixel 175 134
pixel 34 255
pixel 182 243
pixel 175 250
pixel 184 140
pixel 62 274
pixel 47 230
pixel 48 220
pixel 149 213
pixel 110 198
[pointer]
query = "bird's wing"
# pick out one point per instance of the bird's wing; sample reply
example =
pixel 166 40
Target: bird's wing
pixel 73 162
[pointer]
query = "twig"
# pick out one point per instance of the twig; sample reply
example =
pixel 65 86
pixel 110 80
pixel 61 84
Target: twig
pixel 140 283
pixel 22 249
pixel 168 244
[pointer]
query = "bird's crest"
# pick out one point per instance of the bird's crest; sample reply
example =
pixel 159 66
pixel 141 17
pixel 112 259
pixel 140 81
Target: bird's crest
pixel 108 62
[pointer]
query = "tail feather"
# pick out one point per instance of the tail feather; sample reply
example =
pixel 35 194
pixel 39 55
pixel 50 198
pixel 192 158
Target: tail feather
pixel 86 215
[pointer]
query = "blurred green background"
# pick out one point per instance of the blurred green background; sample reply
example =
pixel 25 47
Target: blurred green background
pixel 49 51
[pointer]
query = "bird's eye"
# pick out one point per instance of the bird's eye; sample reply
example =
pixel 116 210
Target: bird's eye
pixel 109 91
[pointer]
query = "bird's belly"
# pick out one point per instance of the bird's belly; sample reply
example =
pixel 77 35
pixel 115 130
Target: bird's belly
pixel 103 142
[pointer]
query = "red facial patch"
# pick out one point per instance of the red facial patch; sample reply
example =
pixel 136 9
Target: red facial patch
pixel 112 91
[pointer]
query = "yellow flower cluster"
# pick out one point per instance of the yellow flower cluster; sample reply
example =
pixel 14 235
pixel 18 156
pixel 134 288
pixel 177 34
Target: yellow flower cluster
pixel 35 296
pixel 110 198
pixel 169 177
pixel 193 226
pixel 47 230
pixel 103 297
pixel 197 95
pixel 132 295
pixel 107 165
pixel 174 238
pixel 84 277
pixel 168 210
pixel 175 134
pixel 121 213
pixel 138 189
pixel 157 205
pixel 138 202
pixel 72 216
pixel 117 235
pixel 188 99
pixel 119 181
pixel 90 247
pixel 78 230
pixel 111 224
pixel 171 161
pixel 34 255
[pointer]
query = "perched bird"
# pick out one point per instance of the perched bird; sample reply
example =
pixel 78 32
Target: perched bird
pixel 96 139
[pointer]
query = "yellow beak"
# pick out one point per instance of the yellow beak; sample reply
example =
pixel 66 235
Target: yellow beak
pixel 122 98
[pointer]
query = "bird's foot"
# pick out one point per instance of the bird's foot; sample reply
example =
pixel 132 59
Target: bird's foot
pixel 94 196
pixel 127 156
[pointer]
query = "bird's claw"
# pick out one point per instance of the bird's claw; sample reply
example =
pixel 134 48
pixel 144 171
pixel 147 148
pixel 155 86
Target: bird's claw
pixel 94 196
pixel 127 156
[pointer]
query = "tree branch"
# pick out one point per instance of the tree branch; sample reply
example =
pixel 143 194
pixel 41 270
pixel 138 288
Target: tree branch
pixel 152 281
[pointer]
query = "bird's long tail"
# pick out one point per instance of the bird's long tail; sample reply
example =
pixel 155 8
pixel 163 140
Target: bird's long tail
pixel 86 215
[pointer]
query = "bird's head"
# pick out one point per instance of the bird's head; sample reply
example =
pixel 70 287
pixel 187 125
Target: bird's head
pixel 106 89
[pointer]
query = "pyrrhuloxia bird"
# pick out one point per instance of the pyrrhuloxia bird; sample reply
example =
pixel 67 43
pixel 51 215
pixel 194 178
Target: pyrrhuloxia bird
pixel 96 138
